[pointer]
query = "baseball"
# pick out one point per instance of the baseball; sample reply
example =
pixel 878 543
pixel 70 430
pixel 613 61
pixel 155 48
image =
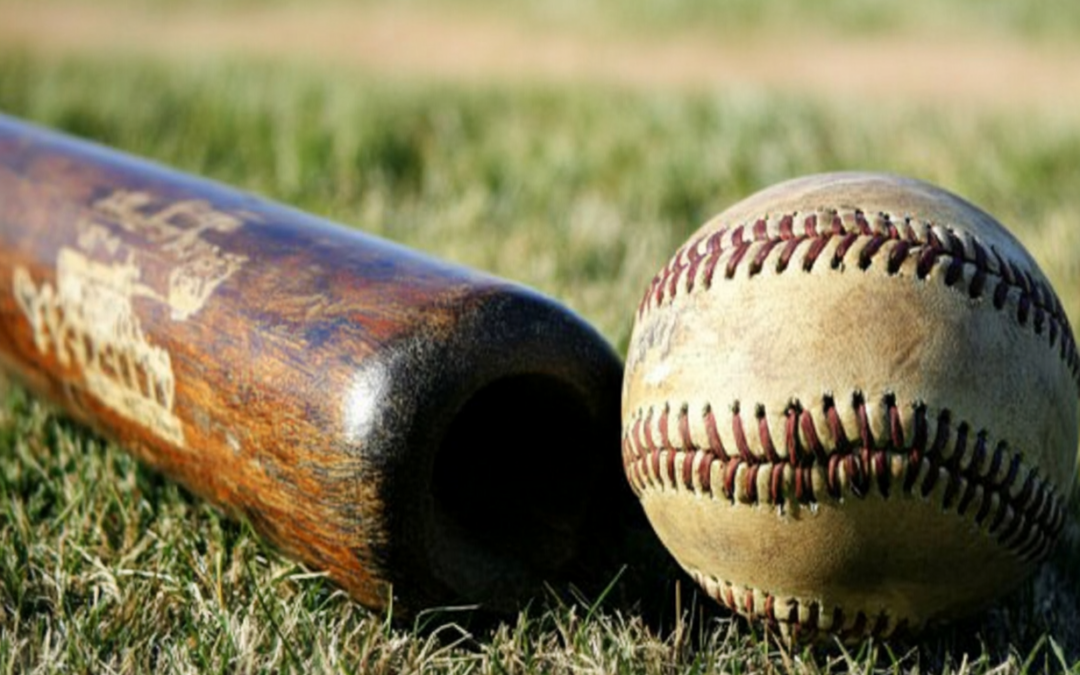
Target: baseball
pixel 850 407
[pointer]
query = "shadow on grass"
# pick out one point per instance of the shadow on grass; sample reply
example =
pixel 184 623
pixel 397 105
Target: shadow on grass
pixel 1033 628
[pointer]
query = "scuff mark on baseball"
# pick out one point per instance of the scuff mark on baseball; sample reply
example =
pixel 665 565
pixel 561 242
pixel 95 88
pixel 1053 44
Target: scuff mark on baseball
pixel 868 413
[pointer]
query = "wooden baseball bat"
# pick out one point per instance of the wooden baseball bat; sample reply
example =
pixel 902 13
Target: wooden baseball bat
pixel 425 433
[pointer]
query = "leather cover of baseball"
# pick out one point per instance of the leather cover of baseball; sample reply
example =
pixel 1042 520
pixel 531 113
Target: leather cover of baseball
pixel 851 407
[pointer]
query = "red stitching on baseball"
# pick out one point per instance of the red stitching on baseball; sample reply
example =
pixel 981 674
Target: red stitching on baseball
pixel 742 601
pixel 1027 522
pixel 715 444
pixel 1036 304
pixel 814 612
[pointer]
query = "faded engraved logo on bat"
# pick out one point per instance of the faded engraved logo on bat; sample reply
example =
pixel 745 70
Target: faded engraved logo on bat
pixel 88 318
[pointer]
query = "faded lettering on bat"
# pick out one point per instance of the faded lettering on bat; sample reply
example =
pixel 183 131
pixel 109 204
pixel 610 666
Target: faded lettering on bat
pixel 88 318
pixel 176 233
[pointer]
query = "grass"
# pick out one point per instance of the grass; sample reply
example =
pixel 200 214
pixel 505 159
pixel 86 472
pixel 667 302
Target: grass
pixel 1046 20
pixel 582 193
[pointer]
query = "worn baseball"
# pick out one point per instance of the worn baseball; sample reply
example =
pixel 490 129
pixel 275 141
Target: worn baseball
pixel 850 407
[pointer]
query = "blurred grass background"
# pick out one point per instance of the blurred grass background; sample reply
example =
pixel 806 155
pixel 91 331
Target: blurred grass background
pixel 579 187
pixel 1010 21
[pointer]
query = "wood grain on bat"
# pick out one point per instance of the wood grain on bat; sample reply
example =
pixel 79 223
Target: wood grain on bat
pixel 344 394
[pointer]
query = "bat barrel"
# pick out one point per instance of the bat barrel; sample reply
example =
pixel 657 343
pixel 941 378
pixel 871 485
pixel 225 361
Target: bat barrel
pixel 423 432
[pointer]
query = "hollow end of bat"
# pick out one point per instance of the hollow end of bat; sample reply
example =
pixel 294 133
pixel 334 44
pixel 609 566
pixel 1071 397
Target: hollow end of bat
pixel 519 501
pixel 522 481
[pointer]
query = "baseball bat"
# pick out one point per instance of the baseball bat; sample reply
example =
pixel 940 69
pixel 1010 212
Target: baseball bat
pixel 425 433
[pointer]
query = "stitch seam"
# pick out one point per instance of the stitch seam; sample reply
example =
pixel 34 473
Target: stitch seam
pixel 979 479
pixel 899 239
pixel 803 620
